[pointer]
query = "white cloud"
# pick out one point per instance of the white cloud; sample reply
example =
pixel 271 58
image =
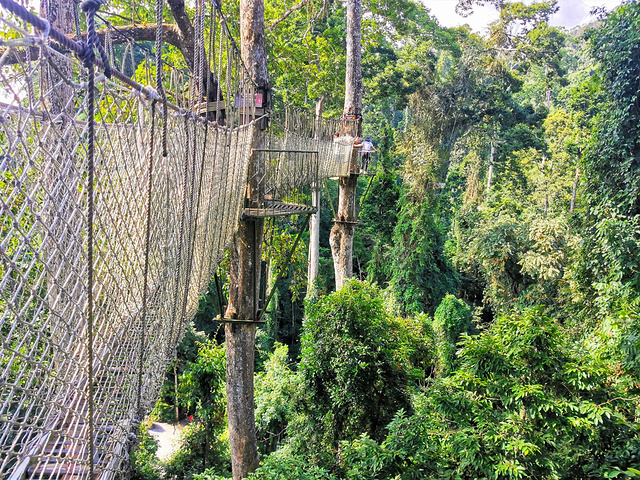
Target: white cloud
pixel 571 13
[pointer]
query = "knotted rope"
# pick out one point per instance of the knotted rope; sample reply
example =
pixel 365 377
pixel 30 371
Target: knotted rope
pixel 159 73
pixel 90 7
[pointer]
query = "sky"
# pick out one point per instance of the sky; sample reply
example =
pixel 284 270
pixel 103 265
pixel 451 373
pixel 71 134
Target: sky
pixel 572 13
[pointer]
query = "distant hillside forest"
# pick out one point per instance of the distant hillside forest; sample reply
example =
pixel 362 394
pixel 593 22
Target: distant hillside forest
pixel 493 327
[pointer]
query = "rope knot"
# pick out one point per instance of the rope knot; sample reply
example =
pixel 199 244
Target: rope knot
pixel 88 55
pixel 90 7
pixel 45 33
pixel 152 93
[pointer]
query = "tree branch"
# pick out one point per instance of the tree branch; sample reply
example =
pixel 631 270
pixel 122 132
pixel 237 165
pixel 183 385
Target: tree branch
pixel 146 32
pixel 287 13
pixel 123 34
pixel 186 30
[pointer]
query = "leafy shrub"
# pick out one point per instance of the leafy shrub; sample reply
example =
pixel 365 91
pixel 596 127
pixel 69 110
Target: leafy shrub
pixel 522 404
pixel 353 381
pixel 277 390
pixel 283 464
pixel 451 319
pixel 199 451
pixel 144 464
pixel 202 390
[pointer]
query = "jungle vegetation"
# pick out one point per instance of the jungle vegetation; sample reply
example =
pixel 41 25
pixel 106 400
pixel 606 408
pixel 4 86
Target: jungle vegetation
pixel 493 327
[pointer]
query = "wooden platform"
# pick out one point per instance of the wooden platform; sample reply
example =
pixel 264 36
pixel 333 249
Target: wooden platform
pixel 238 321
pixel 278 209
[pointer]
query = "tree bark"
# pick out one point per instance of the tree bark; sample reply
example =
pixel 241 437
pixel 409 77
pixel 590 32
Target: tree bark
pixel 341 237
pixel 314 223
pixel 354 90
pixel 574 191
pixel 490 174
pixel 60 15
pixel 244 271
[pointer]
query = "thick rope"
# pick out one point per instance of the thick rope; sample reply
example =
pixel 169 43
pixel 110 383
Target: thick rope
pixel 147 244
pixel 160 72
pixel 90 7
pixel 90 207
pixel 79 48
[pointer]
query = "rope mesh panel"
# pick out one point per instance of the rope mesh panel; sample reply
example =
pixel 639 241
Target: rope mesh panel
pixel 196 199
pixel 43 258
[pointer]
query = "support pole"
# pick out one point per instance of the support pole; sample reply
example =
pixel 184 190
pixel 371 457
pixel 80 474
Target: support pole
pixel 341 237
pixel 245 265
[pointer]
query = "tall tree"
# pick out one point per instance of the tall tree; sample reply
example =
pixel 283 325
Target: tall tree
pixel 314 223
pixel 341 237
pixel 244 270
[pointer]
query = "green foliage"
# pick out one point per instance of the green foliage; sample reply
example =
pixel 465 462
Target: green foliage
pixel 201 389
pixel 277 392
pixel 522 404
pixel 201 385
pixel 612 159
pixel 187 353
pixel 352 380
pixel 451 319
pixel 200 450
pixel 210 474
pixel 144 464
pixel 422 275
pixel 284 464
pixel 378 219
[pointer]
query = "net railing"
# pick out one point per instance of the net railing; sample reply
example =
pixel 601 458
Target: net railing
pixel 161 227
pixel 75 381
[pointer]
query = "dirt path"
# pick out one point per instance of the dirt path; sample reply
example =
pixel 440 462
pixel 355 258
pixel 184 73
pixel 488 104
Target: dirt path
pixel 167 436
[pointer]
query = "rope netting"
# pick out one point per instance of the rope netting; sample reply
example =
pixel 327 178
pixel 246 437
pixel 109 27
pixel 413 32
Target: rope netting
pixel 117 205
pixel 161 225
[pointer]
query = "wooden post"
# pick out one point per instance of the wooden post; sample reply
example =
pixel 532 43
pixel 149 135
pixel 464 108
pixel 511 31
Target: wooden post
pixel 244 271
pixel 341 237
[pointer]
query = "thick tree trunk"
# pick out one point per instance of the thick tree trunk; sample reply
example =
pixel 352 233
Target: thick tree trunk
pixel 353 90
pixel 341 237
pixel 314 223
pixel 60 14
pixel 244 272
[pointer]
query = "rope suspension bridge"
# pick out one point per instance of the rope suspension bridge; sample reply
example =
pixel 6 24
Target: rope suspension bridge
pixel 118 201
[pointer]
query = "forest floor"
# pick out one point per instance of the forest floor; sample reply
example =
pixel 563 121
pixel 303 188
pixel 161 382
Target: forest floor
pixel 167 436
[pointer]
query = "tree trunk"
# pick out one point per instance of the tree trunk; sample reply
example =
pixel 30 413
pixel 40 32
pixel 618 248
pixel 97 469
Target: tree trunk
pixel 341 237
pixel 546 196
pixel 490 174
pixel 61 176
pixel 244 272
pixel 314 241
pixel 314 223
pixel 60 15
pixel 575 190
